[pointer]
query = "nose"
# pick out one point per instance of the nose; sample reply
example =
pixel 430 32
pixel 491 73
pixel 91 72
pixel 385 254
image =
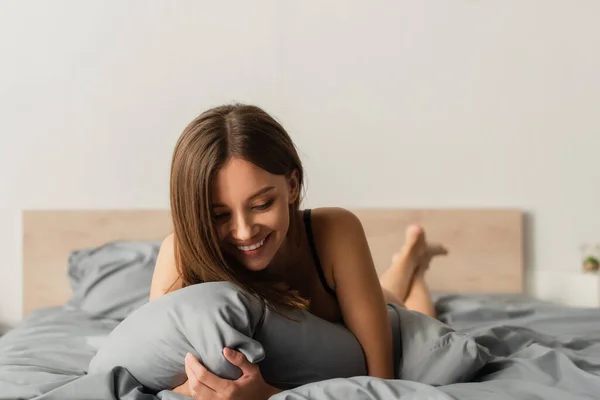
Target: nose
pixel 244 228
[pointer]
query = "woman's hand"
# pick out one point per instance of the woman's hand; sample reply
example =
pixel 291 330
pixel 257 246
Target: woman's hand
pixel 203 385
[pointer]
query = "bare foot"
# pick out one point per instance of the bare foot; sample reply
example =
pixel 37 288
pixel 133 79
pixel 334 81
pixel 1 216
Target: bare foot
pixel 398 277
pixel 410 263
pixel 433 250
pixel 404 281
pixel 420 253
pixel 412 252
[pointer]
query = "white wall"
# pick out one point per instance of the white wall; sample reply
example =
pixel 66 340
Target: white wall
pixel 403 104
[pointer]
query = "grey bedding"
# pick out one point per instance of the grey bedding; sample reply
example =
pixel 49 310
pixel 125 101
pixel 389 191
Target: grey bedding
pixel 537 350
pixel 49 349
pixel 540 351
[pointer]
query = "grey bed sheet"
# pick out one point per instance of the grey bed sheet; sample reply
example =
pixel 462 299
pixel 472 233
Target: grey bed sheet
pixel 542 351
pixel 49 349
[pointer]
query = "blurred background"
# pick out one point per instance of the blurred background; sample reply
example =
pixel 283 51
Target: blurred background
pixel 442 104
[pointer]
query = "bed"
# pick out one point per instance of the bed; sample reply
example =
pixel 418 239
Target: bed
pixel 532 349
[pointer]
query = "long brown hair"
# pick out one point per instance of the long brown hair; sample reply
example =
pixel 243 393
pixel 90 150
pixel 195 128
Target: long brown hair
pixel 206 144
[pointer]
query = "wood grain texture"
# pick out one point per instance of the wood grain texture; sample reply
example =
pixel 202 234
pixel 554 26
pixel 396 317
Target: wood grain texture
pixel 486 246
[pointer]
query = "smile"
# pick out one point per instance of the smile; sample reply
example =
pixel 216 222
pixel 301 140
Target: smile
pixel 252 246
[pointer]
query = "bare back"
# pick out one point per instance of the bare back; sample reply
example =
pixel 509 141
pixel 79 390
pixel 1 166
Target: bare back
pixel 166 278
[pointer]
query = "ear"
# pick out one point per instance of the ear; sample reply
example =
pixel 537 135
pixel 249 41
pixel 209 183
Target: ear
pixel 294 186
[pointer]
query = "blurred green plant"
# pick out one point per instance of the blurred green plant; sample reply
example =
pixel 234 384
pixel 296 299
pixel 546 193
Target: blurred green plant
pixel 591 264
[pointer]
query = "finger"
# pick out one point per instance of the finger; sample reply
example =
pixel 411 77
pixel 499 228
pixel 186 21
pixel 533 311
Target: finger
pixel 200 391
pixel 190 374
pixel 239 360
pixel 195 388
pixel 189 362
pixel 204 376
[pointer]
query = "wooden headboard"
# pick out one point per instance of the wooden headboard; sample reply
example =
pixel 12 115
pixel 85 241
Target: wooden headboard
pixel 486 246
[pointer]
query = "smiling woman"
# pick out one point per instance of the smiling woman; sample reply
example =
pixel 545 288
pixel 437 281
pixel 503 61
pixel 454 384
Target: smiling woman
pixel 252 224
pixel 236 181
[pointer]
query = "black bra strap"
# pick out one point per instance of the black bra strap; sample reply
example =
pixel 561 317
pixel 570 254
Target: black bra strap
pixel 315 255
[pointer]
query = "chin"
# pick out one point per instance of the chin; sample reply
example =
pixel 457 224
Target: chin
pixel 256 267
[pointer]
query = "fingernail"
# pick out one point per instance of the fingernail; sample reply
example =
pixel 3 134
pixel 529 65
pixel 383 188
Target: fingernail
pixel 188 357
pixel 227 351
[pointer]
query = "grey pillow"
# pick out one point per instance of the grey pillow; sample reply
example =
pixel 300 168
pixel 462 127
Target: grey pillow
pixel 203 319
pixel 112 280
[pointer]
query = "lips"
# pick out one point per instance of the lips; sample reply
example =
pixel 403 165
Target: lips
pixel 252 246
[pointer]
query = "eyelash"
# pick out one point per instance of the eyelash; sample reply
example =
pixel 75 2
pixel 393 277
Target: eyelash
pixel 264 206
pixel 260 207
pixel 220 216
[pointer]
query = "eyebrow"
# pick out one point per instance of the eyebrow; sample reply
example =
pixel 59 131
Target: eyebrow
pixel 255 195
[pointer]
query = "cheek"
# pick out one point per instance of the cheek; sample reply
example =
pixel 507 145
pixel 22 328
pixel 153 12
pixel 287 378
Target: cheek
pixel 276 219
pixel 222 231
pixel 283 218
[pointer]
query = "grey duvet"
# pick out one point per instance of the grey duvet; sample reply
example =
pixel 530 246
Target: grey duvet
pixel 537 351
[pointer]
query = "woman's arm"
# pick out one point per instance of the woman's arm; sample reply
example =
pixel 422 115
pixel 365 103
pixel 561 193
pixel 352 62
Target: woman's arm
pixel 203 385
pixel 359 291
pixel 166 278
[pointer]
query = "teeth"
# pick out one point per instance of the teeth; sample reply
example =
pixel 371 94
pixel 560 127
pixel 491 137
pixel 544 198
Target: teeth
pixel 252 247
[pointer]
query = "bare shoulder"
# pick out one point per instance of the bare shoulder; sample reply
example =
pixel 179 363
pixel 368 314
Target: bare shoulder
pixel 336 231
pixel 166 253
pixel 166 278
pixel 168 244
pixel 330 221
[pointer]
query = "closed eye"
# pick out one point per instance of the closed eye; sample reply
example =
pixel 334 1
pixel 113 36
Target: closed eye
pixel 264 206
pixel 221 217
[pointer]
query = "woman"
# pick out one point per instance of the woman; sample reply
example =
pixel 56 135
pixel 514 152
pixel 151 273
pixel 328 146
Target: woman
pixel 236 182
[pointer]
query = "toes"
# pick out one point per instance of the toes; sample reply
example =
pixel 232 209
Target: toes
pixel 436 250
pixel 414 246
pixel 413 234
pixel 416 249
pixel 414 241
pixel 432 251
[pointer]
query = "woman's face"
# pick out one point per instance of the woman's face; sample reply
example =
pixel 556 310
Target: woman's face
pixel 250 207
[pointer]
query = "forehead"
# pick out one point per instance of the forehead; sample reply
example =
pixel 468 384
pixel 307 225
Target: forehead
pixel 239 179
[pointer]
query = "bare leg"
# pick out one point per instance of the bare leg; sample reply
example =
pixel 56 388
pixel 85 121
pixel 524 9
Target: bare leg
pixel 397 280
pixel 404 282
pixel 419 298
